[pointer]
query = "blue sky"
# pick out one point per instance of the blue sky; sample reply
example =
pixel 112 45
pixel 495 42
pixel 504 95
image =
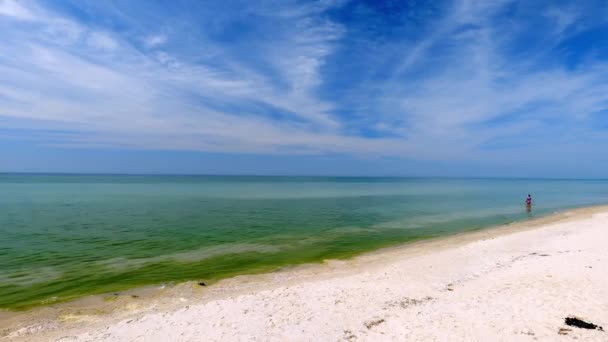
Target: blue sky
pixel 443 88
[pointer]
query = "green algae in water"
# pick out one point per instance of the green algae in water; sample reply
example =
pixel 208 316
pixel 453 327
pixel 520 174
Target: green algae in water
pixel 65 236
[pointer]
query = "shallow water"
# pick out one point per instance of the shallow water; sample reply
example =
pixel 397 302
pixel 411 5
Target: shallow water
pixel 64 236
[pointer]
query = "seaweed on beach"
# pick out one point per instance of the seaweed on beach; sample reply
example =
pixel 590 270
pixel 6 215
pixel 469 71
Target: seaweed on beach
pixel 374 323
pixel 579 323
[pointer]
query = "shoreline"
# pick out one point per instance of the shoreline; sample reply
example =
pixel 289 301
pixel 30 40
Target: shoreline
pixel 92 311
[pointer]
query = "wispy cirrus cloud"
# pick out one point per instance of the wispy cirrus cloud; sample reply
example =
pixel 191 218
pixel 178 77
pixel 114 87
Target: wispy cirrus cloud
pixel 101 41
pixel 167 98
pixel 155 40
pixel 12 8
pixel 460 80
pixel 484 79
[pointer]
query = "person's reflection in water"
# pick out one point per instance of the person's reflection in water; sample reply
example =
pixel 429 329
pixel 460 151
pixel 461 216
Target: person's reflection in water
pixel 529 205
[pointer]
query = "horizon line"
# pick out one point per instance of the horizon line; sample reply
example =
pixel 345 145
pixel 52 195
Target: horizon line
pixel 36 173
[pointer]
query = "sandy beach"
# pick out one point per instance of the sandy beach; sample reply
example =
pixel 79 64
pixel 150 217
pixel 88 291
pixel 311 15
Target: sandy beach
pixel 510 283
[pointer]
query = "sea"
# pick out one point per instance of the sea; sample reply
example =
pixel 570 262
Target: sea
pixel 67 236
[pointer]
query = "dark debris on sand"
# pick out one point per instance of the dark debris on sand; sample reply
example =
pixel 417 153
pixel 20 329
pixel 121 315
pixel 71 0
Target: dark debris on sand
pixel 579 323
pixel 374 323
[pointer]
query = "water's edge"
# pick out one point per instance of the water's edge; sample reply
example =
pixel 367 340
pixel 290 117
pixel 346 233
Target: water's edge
pixel 159 296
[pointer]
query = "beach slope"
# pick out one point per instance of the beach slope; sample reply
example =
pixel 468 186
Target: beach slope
pixel 511 283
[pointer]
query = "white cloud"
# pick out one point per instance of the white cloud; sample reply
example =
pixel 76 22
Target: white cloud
pixel 472 95
pixel 563 18
pixel 140 101
pixel 162 100
pixel 101 41
pixel 63 32
pixel 13 8
pixel 155 40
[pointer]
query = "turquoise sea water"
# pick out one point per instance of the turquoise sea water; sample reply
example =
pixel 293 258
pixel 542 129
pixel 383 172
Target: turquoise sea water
pixel 65 236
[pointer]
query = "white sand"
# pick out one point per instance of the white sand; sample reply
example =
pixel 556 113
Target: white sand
pixel 507 284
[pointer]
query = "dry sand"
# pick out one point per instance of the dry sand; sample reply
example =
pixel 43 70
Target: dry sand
pixel 511 283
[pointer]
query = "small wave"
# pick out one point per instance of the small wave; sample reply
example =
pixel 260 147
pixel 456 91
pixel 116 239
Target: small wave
pixel 353 229
pixel 23 278
pixel 429 220
pixel 203 253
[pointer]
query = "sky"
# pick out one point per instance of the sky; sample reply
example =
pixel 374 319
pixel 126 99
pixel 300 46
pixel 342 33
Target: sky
pixel 490 88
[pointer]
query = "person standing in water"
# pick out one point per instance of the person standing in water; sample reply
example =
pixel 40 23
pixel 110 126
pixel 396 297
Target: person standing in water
pixel 529 201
